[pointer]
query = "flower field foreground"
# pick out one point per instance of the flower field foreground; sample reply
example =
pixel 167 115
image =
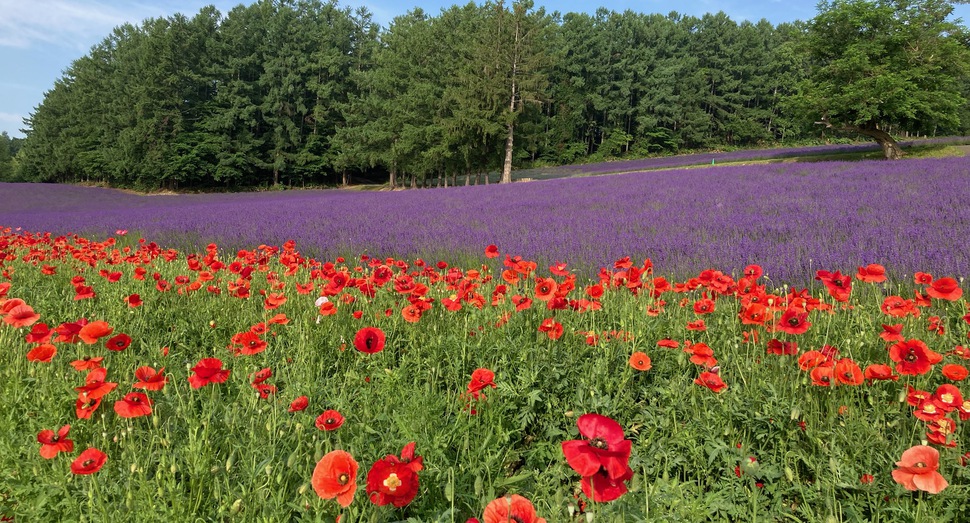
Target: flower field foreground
pixel 261 385
pixel 792 219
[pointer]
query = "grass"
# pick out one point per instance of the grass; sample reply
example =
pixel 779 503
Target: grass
pixel 771 447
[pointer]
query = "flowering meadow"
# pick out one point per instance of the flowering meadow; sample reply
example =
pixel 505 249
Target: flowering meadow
pixel 792 219
pixel 256 382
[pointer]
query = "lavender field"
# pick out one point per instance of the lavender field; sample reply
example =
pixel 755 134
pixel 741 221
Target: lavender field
pixel 792 219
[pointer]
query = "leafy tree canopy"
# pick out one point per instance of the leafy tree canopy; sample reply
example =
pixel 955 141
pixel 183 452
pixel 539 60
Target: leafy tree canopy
pixel 879 67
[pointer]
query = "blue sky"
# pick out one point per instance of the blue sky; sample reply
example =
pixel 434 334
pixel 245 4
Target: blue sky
pixel 40 38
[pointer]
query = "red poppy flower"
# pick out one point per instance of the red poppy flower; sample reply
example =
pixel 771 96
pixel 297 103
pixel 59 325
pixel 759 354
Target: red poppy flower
pixel 697 325
pixel 329 420
pixel 43 353
pixel 335 476
pixel 920 300
pixel 133 405
pixel 940 431
pixel 711 380
pixel 948 397
pixel 552 328
pixel 753 314
pixel 928 410
pixel 68 332
pixel 279 319
pixel 491 252
pixel 753 272
pixel 208 370
pixel 118 342
pixel 701 354
pixel 545 289
pixel 822 376
pixel 952 371
pixel 87 363
pixel 892 332
pixel 261 375
pixel 838 286
pixel 605 447
pixel 847 372
pixel 133 300
pixel 265 390
pixel 369 340
pixel 53 443
pixel 150 379
pixel 274 301
pixel 669 344
pixel 945 289
pixel 40 333
pixel 521 302
pixel 247 344
pixel 94 331
pixel 704 306
pixel 94 384
pixel 918 470
pixel 601 488
pixel 299 404
pixel 878 371
pixel 394 480
pixel 915 397
pixel 89 462
pixel 480 379
pixel 793 321
pixel 8 305
pixel 640 361
pixel 964 410
pixel 85 406
pixel 411 313
pixel 898 307
pixel 514 508
pixel 872 273
pixel 782 348
pixel 327 308
pixel 22 315
pixel 913 357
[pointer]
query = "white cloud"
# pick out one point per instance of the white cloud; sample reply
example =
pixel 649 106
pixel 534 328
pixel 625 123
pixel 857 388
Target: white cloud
pixel 10 117
pixel 80 24
pixel 72 23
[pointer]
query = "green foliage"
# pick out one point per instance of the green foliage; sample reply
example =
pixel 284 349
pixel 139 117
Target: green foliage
pixel 8 151
pixel 885 66
pixel 299 92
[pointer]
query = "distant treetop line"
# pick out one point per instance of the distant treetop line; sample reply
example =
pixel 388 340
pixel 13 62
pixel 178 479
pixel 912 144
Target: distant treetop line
pixel 307 92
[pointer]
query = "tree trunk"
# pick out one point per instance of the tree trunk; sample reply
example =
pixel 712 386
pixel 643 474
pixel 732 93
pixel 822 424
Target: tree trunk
pixel 507 166
pixel 393 180
pixel 890 148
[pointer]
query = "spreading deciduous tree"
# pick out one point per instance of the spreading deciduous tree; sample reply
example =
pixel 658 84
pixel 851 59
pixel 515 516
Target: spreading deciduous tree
pixel 879 67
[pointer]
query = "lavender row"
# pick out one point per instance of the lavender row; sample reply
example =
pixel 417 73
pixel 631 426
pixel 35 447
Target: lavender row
pixel 793 219
pixel 667 162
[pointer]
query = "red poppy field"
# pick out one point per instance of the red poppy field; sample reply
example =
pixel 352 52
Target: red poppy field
pixel 261 385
